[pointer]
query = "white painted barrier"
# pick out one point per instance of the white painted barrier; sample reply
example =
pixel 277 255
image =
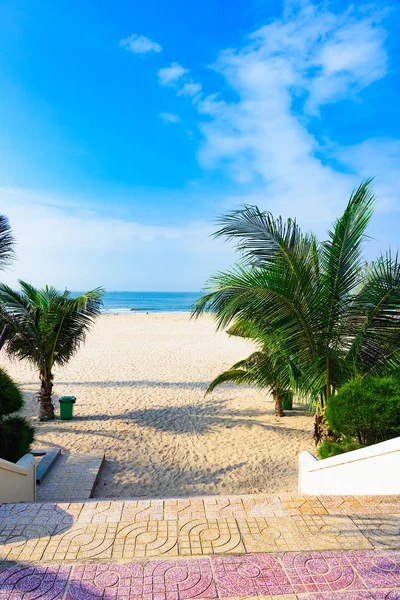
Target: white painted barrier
pixel 18 480
pixel 370 471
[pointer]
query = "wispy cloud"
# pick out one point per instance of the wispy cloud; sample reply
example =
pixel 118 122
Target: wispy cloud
pixel 172 74
pixel 120 253
pixel 167 117
pixel 191 89
pixel 140 44
pixel 286 71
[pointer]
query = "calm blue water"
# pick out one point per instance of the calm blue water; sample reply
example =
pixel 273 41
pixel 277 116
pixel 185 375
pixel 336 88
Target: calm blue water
pixel 126 302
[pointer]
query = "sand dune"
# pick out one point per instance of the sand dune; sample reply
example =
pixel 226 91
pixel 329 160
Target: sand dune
pixel 140 382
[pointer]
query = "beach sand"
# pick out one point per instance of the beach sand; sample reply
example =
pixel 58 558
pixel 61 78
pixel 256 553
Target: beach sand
pixel 140 382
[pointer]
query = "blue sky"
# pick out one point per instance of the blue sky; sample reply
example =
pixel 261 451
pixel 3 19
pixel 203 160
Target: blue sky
pixel 127 128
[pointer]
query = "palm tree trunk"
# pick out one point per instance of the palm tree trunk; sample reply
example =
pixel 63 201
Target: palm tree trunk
pixel 46 407
pixel 278 404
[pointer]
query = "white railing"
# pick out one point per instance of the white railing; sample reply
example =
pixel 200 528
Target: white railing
pixel 18 480
pixel 370 471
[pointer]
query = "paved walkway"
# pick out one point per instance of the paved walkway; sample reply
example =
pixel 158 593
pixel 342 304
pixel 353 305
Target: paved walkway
pixel 72 477
pixel 287 546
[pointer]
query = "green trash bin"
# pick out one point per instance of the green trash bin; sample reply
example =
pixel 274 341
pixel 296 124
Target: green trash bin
pixel 66 407
pixel 287 402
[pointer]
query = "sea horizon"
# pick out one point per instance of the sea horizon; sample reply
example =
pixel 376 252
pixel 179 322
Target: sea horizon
pixel 128 302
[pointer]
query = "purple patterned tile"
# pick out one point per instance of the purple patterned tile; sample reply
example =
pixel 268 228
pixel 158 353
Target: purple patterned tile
pixel 31 583
pixel 250 575
pixel 328 575
pixel 341 596
pixel 387 595
pixel 321 572
pixel 98 582
pixel 378 569
pixel 179 580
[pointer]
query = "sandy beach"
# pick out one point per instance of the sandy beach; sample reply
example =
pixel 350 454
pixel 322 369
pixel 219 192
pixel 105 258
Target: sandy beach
pixel 140 382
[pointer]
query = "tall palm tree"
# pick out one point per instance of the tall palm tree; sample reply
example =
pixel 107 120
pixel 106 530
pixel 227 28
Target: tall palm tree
pixel 315 302
pixel 6 257
pixel 47 327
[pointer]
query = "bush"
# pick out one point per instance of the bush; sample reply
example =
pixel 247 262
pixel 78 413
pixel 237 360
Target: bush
pixel 329 448
pixel 367 409
pixel 16 434
pixel 11 398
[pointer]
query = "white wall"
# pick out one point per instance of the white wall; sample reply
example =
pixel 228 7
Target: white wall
pixel 18 481
pixel 371 471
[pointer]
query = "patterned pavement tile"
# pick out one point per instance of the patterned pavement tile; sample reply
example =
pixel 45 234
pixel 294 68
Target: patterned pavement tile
pixel 81 542
pixel 328 532
pixel 361 595
pixel 387 595
pixel 98 582
pixel 262 506
pixel 296 504
pixel 364 505
pixel 271 535
pixel 24 542
pixel 184 509
pixel 179 580
pixel 101 512
pixel 382 532
pixel 250 575
pixel 321 572
pixel 143 510
pixel 25 583
pixel 224 507
pixel 146 539
pixel 329 575
pixel 128 529
pixel 212 536
pixel 378 569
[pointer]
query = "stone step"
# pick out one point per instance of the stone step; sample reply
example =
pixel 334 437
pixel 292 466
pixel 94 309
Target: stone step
pixel 72 477
pixel 46 457
pixel 285 547
pixel 290 576
pixel 200 526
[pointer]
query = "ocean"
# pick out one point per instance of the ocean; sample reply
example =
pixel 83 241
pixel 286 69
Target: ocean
pixel 131 302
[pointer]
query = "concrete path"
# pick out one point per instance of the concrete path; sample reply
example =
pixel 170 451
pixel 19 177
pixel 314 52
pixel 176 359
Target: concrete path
pixel 287 546
pixel 72 477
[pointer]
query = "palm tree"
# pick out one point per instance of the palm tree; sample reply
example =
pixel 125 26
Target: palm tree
pixel 265 371
pixel 314 302
pixel 47 327
pixel 6 257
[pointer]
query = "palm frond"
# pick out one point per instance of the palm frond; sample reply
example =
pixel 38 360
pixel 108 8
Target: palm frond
pixel 238 376
pixel 375 318
pixel 7 243
pixel 341 257
pixel 47 326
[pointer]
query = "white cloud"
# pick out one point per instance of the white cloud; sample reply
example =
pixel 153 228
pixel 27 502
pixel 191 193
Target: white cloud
pixel 379 157
pixel 260 134
pixel 171 75
pixel 167 117
pixel 67 242
pixel 191 89
pixel 140 44
pixel 287 70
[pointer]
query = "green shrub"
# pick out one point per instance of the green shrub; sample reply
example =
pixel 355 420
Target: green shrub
pixel 11 398
pixel 329 448
pixel 367 409
pixel 16 436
